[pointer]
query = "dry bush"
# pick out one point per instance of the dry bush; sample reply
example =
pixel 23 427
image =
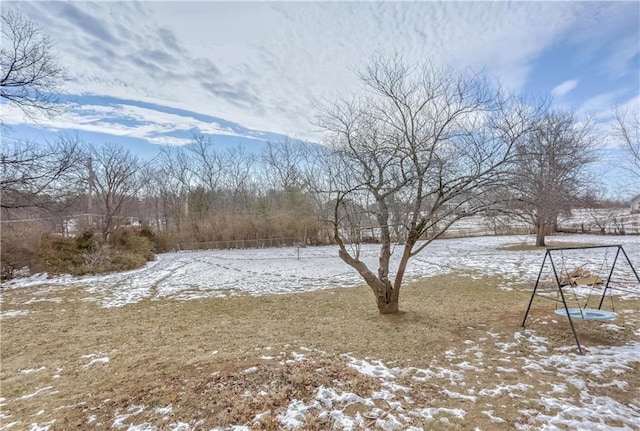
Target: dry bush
pixel 136 242
pixel 87 253
pixel 18 248
pixel 125 261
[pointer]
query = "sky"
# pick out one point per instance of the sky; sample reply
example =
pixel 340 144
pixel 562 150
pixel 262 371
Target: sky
pixel 149 74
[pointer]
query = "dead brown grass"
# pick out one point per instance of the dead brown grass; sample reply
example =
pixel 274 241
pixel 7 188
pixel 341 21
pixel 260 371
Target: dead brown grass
pixel 194 354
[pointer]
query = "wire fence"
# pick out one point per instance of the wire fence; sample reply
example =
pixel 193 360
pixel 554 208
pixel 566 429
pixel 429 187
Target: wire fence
pixel 240 244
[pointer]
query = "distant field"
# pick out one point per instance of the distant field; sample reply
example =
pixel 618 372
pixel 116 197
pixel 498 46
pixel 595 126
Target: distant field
pixel 201 341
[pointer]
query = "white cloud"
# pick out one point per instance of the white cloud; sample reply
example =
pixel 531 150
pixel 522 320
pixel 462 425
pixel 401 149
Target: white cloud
pixel 267 65
pixel 564 88
pixel 145 123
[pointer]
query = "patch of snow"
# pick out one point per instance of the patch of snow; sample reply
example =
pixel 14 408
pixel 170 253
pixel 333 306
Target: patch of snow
pixel 164 410
pixel 33 370
pixel 41 427
pixel 494 419
pixel 508 389
pixel 119 418
pixel 103 360
pixel 506 370
pixel 298 356
pixel 257 418
pixel 430 413
pixel 389 423
pixel 594 412
pixel 467 367
pixel 294 417
pixel 24 397
pixel 378 369
pixel 142 427
pixel 460 396
pixel 36 300
pixel 13 313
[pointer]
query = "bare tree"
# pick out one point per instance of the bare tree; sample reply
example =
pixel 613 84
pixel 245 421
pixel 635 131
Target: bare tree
pixel 549 172
pixel 177 182
pixel 282 161
pixel 40 175
pixel 30 74
pixel 627 130
pixel 284 165
pixel 431 143
pixel 237 178
pixel 117 179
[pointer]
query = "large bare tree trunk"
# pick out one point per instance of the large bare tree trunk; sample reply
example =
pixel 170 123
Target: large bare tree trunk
pixel 390 305
pixel 386 298
pixel 540 233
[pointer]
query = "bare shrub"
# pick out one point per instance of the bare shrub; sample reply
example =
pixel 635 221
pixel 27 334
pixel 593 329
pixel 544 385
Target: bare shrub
pixel 136 242
pixel 88 253
pixel 59 255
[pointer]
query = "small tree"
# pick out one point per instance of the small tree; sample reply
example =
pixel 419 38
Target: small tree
pixel 549 172
pixel 284 163
pixel 30 75
pixel 627 130
pixel 118 176
pixel 421 148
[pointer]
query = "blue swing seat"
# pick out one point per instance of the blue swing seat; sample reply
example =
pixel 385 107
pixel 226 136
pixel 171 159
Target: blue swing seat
pixel 586 313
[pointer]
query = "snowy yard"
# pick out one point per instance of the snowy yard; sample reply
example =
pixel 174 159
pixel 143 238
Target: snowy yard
pixel 216 273
pixel 198 340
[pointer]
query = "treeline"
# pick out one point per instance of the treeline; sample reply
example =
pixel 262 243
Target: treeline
pixel 187 196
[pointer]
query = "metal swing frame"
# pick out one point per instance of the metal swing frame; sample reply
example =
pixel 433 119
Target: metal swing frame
pixel 548 255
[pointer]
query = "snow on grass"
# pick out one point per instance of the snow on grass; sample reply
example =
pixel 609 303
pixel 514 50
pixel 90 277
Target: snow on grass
pixel 38 392
pixel 430 413
pixel 13 313
pixel 32 370
pixel 103 360
pixel 118 420
pixel 612 327
pixel 594 412
pixel 493 418
pixel 368 369
pixel 459 396
pixel 191 275
pixel 41 427
pixel 217 273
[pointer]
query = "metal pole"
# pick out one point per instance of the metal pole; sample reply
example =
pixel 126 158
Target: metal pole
pixel 606 286
pixel 566 308
pixel 535 288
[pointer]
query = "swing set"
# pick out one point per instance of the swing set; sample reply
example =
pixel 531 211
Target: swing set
pixel 580 276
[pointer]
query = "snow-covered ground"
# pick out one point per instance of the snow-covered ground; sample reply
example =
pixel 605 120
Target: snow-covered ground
pixel 214 273
pixel 569 392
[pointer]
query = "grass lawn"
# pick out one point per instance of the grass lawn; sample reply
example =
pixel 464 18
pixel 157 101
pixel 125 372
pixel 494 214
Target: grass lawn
pixel 217 362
